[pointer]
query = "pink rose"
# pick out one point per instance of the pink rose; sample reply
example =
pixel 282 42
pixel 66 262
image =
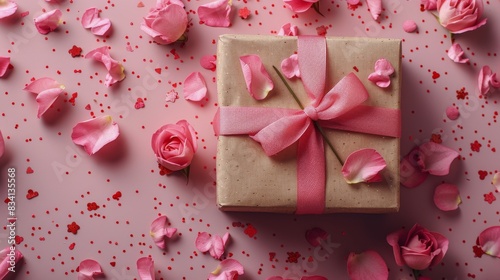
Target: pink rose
pixel 459 16
pixel 299 6
pixel 167 22
pixel 174 145
pixel 417 248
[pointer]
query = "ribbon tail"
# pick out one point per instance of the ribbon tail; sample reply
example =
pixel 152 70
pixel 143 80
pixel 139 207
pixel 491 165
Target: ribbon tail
pixel 311 173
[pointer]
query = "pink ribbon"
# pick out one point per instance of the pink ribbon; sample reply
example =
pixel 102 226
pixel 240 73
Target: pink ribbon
pixel 340 108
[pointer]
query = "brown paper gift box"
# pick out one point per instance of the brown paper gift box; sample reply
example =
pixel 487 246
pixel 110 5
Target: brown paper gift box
pixel 249 180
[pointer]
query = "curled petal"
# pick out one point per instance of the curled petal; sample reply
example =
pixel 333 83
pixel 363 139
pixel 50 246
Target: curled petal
pixel 380 80
pixel 7 8
pixel 299 6
pixel 489 240
pixel 42 84
pixel 5 260
pixel 375 7
pixel 368 265
pixel 447 197
pixel 92 21
pixel 315 235
pixel 208 62
pixel 48 21
pixel 290 66
pixel 216 13
pixel 146 269
pixel 487 79
pixel 456 54
pixel 429 5
pixel 257 79
pixel 227 269
pixel 88 269
pixel 195 87
pixel 159 231
pixel 437 158
pixel 116 71
pixel 47 90
pixel 363 166
pixel 215 245
pixel 2 145
pixel 4 65
pixel 383 69
pixel 289 29
pixel 495 181
pixel 93 134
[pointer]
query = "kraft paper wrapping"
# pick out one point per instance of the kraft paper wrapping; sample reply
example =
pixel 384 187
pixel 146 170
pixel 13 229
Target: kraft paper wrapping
pixel 249 180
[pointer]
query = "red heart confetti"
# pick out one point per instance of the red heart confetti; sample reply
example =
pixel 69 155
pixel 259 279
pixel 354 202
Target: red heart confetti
pixel 19 239
pixel 113 264
pixel 29 170
pixel 31 194
pixel 435 75
pixel 158 70
pixel 139 103
pixel 117 195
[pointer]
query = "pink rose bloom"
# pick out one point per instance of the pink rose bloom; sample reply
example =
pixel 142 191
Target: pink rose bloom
pixel 459 16
pixel 299 6
pixel 418 248
pixel 167 22
pixel 174 145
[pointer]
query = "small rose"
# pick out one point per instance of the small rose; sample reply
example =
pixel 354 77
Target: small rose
pixel 418 248
pixel 174 145
pixel 459 16
pixel 166 23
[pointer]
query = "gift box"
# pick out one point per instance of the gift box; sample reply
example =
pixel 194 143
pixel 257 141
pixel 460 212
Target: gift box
pixel 250 180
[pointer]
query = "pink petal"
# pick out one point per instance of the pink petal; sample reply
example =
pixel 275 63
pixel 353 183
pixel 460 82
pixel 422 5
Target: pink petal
pixel 46 98
pixel 48 21
pixel 145 267
pixel 208 62
pixel 166 25
pixel 489 240
pixel 2 145
pixel 116 71
pixel 227 269
pixel 368 265
pixel 429 5
pixel 411 175
pixel 362 165
pixel 258 81
pixel 452 113
pixel 98 54
pixel 195 87
pixel 315 236
pixel 486 79
pixel 438 158
pixel 380 80
pixel 384 67
pixel 215 245
pixel 299 6
pixel 495 181
pixel 375 7
pixel 313 278
pixel 42 84
pixel 4 65
pixel 409 26
pixel 90 17
pixel 288 29
pixel 7 8
pixel 290 66
pixel 216 13
pixel 5 261
pixel 447 197
pixel 101 28
pixel 159 231
pixel 456 54
pixel 88 269
pixel 93 134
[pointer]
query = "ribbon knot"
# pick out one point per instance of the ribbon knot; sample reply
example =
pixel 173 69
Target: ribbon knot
pixel 311 112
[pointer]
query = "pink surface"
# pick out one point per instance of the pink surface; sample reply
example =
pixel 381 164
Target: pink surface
pixel 68 181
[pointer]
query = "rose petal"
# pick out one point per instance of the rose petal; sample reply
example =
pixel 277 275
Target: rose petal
pixel 93 134
pixel 4 65
pixel 116 71
pixel 489 240
pixel 384 67
pixel 208 62
pixel 315 236
pixel 362 166
pixel 90 17
pixel 313 278
pixel 48 21
pixel 380 80
pixel 447 197
pixel 452 113
pixel 145 267
pixel 288 29
pixel 215 245
pixel 410 175
pixel 88 269
pixel 2 146
pixel 429 5
pixel 227 269
pixel 409 26
pixel 368 265
pixel 456 54
pixel 216 13
pixel 195 87
pixel 438 158
pixel 159 231
pixel 102 27
pixel 257 79
pixel 495 181
pixel 290 66
pixel 46 98
pixel 7 8
pixel 375 7
pixel 299 6
pixel 5 261
pixel 486 79
pixel 166 25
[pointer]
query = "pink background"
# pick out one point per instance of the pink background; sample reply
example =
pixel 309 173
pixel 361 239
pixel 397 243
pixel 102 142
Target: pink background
pixel 117 233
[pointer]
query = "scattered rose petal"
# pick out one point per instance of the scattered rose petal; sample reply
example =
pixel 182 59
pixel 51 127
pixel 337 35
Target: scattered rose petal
pixel 4 65
pixel 363 166
pixel 167 22
pixel 429 5
pixel 214 244
pixel 88 269
pixel 5 260
pixel 116 72
pixel 495 181
pixel 290 66
pixel 257 79
pixel 447 197
pixel 289 29
pixel 368 265
pixel 452 113
pixel 381 76
pixel 47 91
pixel 489 241
pixel 7 8
pixel 159 231
pixel 375 7
pixel 409 26
pixel 244 13
pixel 195 87
pixel 315 236
pixel 487 79
pixel 91 20
pixel 299 6
pixel 208 62
pixel 93 134
pixel 48 21
pixel 171 96
pixel 216 13
pixel 2 145
pixel 146 269
pixel 228 269
pixel 456 54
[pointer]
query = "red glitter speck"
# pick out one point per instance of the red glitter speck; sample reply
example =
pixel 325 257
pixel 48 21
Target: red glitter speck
pixel 475 146
pixel 482 174
pixel 117 195
pixel 436 138
pixel 321 30
pixel 72 100
pixel 72 246
pixel 461 93
pixel 293 257
pixel 92 206
pixel 250 231
pixel 29 170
